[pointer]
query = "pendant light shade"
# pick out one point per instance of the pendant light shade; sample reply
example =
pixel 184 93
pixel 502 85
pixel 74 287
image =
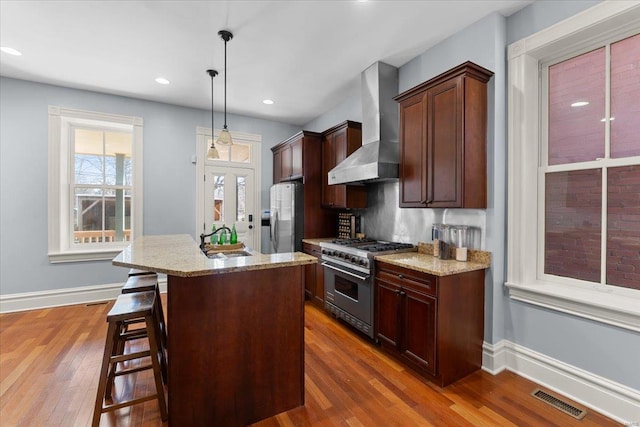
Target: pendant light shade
pixel 212 153
pixel 224 138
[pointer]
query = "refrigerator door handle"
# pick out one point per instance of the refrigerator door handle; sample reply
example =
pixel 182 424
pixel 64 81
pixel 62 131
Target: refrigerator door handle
pixel 275 232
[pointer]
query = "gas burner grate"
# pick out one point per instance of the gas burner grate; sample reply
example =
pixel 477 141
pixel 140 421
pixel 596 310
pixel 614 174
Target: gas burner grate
pixel 350 242
pixel 385 247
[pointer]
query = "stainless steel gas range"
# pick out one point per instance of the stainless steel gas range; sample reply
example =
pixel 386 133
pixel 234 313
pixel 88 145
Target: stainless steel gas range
pixel 348 278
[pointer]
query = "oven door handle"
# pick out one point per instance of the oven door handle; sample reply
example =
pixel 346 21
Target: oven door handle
pixel 331 266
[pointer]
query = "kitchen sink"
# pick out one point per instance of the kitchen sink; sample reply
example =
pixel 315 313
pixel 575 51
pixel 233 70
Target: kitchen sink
pixel 229 254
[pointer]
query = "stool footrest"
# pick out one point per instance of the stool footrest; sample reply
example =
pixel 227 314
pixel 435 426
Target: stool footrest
pixel 133 334
pixel 128 371
pixel 119 405
pixel 130 356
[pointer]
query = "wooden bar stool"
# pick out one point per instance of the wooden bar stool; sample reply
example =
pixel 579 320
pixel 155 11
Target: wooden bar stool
pixel 129 307
pixel 145 283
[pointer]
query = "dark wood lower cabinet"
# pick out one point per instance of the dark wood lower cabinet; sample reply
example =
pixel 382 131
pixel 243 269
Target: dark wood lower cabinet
pixel 435 324
pixel 314 276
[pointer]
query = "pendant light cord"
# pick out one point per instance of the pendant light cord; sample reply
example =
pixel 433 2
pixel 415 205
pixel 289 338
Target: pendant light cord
pixel 226 36
pixel 212 73
pixel 212 127
pixel 225 83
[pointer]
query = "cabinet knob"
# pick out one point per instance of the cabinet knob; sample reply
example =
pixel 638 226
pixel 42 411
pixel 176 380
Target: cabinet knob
pixel 402 293
pixel 400 276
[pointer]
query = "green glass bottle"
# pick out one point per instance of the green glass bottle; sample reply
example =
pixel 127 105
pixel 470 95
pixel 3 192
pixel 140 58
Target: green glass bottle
pixel 214 237
pixel 223 236
pixel 234 235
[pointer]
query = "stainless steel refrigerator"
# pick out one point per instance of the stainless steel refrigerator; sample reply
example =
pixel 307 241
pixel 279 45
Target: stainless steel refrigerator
pixel 286 216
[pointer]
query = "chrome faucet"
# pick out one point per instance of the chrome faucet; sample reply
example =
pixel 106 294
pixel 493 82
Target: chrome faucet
pixel 204 236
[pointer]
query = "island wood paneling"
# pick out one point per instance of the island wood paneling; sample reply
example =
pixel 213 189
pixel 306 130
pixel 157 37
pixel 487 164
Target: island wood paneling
pixel 236 346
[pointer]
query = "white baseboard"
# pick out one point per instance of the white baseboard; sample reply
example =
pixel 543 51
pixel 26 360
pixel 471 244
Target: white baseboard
pixel 60 297
pixel 614 400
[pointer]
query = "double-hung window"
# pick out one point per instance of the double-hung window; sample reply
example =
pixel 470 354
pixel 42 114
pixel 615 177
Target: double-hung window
pixel 589 168
pixel 95 188
pixel 573 241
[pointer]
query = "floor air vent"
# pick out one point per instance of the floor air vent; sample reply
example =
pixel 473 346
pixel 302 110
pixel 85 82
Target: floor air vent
pixel 563 406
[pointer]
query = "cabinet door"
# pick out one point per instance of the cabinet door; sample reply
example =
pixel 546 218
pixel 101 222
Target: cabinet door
pixel 387 319
pixel 314 275
pixel 340 151
pixel 318 295
pixel 419 340
pixel 310 281
pixel 296 159
pixel 328 163
pixel 287 163
pixel 413 153
pixel 277 166
pixel 444 144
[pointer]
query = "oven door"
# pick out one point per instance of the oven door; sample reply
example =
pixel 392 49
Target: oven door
pixel 350 291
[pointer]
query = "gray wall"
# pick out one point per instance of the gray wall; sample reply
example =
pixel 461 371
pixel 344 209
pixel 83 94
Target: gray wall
pixel 598 348
pixel 169 177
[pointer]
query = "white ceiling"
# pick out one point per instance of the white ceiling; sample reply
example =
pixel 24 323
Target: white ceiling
pixel 305 55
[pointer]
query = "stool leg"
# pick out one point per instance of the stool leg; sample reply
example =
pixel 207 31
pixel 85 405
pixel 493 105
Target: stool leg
pixel 162 335
pixel 154 348
pixel 109 348
pixel 118 349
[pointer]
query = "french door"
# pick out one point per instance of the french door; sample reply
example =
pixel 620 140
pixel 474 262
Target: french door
pixel 229 200
pixel 228 188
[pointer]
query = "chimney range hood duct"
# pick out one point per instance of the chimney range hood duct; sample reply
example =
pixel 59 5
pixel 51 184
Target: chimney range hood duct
pixel 377 159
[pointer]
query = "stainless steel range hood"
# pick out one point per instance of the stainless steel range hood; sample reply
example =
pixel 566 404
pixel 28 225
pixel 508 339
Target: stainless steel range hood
pixel 377 159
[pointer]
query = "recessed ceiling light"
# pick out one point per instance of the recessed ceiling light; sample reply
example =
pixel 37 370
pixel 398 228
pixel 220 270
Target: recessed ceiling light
pixel 10 51
pixel 162 81
pixel 268 101
pixel 580 104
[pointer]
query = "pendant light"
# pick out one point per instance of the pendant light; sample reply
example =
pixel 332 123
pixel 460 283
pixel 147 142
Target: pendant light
pixel 212 153
pixel 224 138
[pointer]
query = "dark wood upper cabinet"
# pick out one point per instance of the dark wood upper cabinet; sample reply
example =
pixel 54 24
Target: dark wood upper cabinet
pixel 443 146
pixel 299 158
pixel 288 159
pixel 338 143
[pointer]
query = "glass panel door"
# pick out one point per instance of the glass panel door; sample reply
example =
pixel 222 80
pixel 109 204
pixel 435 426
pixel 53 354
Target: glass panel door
pixel 229 196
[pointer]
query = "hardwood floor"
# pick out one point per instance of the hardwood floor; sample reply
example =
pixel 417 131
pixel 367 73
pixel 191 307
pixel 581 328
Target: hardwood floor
pixel 49 363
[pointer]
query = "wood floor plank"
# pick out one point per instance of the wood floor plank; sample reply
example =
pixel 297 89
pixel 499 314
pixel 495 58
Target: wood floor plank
pixel 50 360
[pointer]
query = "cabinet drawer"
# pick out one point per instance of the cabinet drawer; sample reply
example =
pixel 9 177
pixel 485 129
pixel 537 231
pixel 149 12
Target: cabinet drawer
pixel 310 249
pixel 420 282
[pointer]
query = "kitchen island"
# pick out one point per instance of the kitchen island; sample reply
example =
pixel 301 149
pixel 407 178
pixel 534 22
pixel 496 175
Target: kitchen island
pixel 235 330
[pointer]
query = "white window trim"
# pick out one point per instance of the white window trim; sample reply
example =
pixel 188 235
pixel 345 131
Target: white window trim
pixel 202 134
pixel 59 249
pixel 608 304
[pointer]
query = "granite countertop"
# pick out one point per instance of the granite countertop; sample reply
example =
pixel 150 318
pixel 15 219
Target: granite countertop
pixel 316 241
pixel 425 262
pixel 180 255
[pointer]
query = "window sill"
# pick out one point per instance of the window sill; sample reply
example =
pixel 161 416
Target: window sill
pixel 607 304
pixel 86 255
